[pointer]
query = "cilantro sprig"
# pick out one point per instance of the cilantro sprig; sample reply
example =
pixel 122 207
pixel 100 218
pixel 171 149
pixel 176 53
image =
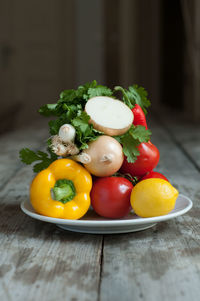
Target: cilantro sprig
pixel 135 95
pixel 70 109
pixel 85 132
pixel 132 139
pixel 75 100
pixel 28 157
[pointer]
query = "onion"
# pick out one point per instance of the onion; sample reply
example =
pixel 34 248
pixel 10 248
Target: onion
pixel 103 157
pixel 108 115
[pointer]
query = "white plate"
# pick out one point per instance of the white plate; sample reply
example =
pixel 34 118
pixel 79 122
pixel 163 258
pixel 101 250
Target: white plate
pixel 92 223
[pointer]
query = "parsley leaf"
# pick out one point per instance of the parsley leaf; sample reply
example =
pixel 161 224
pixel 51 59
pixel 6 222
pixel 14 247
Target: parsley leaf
pixel 126 99
pixel 28 157
pixel 129 147
pixel 135 95
pixel 132 139
pixel 71 103
pixel 70 109
pixel 139 95
pixel 83 90
pixel 140 133
pixel 79 96
pixel 67 95
pixel 84 131
pixel 48 110
pixel 68 113
pixel 81 122
pixel 54 125
pixel 99 91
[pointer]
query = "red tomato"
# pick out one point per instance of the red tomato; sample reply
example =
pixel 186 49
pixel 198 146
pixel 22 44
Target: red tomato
pixel 110 196
pixel 154 174
pixel 146 161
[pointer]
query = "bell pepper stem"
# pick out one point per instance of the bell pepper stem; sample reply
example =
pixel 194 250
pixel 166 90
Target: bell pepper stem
pixel 63 191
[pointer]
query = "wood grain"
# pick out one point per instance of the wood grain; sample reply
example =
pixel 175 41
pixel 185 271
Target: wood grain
pixel 161 263
pixel 187 137
pixel 38 260
pixel 10 145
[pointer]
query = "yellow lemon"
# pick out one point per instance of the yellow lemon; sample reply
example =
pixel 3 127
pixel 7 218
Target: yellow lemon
pixel 153 197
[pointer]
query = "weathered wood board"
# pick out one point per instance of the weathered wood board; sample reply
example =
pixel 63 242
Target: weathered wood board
pixel 10 145
pixel 39 261
pixel 162 263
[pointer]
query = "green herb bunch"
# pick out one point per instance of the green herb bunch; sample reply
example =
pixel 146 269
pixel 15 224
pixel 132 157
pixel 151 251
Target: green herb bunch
pixel 70 109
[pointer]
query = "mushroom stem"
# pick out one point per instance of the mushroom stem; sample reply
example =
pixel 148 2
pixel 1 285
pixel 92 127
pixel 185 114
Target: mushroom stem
pixel 61 148
pixel 67 133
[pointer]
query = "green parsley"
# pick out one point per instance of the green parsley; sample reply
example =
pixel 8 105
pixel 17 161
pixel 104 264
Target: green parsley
pixel 70 109
pixel 28 157
pixel 135 95
pixel 85 132
pixel 132 139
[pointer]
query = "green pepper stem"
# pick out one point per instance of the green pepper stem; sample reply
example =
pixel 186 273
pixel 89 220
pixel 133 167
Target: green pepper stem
pixel 63 191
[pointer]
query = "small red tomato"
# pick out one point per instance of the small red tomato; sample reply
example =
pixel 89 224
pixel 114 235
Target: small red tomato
pixel 146 161
pixel 154 174
pixel 110 196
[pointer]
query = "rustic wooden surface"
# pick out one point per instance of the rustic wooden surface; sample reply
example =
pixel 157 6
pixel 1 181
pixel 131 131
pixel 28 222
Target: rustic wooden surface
pixel 40 262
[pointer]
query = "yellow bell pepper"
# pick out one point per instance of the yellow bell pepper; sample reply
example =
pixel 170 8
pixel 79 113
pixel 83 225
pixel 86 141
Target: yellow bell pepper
pixel 62 190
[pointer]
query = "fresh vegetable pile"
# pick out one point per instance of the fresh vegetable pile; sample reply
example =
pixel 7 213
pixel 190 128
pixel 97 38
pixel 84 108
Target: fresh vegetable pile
pixel 111 141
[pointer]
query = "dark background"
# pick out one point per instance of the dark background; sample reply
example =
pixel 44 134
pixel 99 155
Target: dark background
pixel 51 45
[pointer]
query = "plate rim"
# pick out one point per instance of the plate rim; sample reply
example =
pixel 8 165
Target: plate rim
pixel 110 223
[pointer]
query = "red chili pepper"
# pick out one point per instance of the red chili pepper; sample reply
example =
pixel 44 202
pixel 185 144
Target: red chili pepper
pixel 139 116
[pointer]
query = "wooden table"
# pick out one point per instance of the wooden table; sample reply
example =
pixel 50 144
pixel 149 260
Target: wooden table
pixel 40 262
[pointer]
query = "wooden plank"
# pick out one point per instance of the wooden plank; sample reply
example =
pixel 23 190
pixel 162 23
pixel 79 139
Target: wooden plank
pixel 43 262
pixel 186 135
pixel 39 261
pixel 10 145
pixel 161 263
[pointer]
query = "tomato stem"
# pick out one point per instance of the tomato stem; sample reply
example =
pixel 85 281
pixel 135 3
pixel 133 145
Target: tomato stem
pixel 133 180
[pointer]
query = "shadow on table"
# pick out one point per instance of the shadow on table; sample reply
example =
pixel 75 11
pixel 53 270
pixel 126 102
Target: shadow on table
pixel 15 222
